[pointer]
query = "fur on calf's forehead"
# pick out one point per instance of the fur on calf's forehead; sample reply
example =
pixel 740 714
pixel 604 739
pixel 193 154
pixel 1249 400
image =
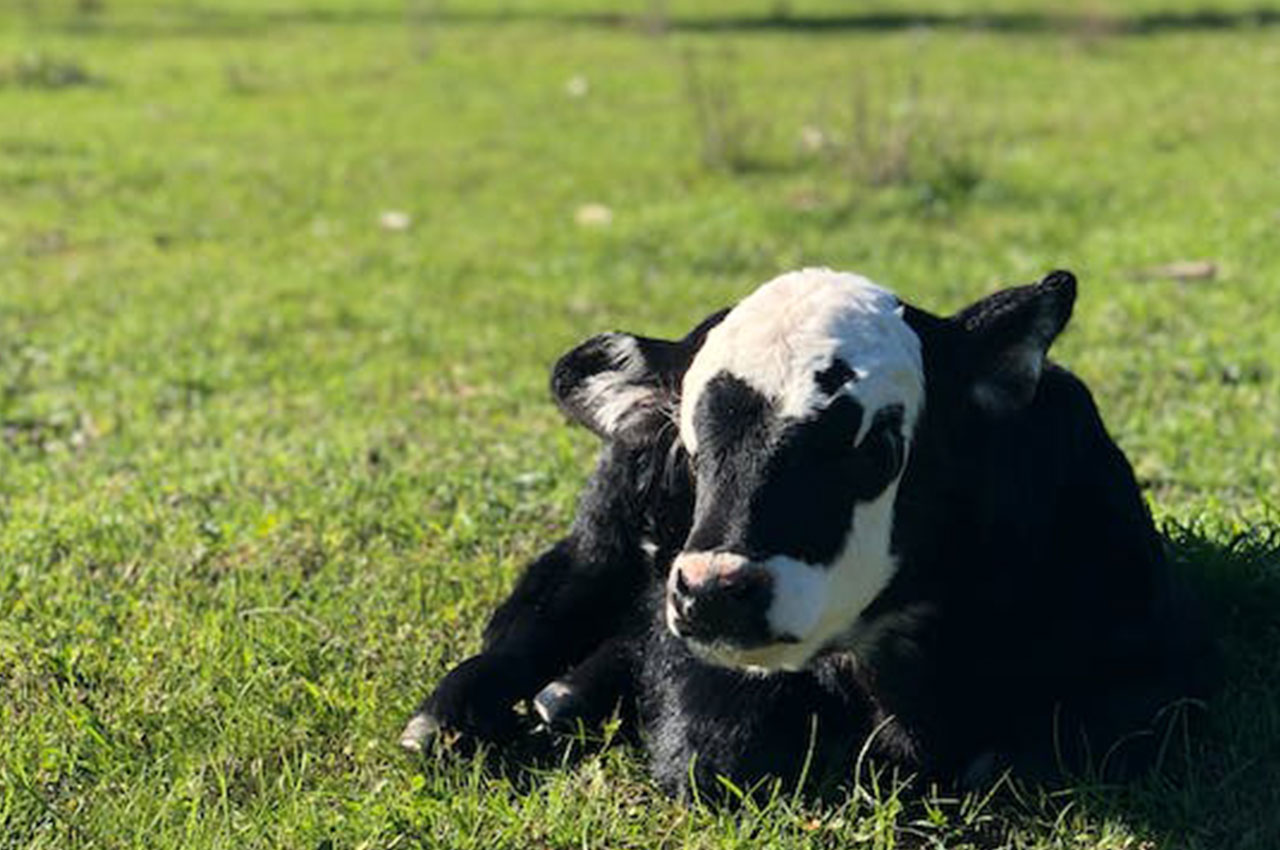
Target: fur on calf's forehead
pixel 793 327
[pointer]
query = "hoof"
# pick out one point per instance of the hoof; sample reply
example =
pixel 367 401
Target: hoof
pixel 418 731
pixel 557 705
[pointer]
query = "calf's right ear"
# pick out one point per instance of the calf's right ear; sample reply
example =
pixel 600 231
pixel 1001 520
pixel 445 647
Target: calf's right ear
pixel 623 387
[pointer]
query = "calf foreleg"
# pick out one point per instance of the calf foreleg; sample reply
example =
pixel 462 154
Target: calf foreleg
pixel 569 601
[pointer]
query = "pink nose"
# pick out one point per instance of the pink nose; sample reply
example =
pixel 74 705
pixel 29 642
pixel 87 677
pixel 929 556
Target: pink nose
pixel 699 569
pixel 719 597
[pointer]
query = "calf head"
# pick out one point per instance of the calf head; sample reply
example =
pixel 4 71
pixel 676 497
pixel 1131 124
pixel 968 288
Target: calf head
pixel 796 412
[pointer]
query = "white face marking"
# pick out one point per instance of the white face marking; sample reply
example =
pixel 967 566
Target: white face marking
pixel 778 337
pixel 776 340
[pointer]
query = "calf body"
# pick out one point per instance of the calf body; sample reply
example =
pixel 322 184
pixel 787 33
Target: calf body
pixel 827 524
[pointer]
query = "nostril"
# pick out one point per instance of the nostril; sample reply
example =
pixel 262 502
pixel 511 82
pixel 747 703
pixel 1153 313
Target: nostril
pixel 734 581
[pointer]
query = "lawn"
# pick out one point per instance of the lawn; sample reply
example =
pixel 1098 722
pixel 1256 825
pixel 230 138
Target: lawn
pixel 281 283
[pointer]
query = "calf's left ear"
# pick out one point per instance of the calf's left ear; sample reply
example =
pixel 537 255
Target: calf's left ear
pixel 622 386
pixel 1008 335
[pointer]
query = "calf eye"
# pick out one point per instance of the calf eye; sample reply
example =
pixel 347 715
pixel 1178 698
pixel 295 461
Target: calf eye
pixel 835 376
pixel 879 458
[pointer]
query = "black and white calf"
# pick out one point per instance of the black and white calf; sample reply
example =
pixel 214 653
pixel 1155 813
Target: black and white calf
pixel 828 521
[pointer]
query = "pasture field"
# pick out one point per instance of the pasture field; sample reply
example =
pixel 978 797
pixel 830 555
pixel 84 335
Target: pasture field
pixel 269 455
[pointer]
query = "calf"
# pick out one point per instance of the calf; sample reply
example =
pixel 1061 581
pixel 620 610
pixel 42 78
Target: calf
pixel 828 523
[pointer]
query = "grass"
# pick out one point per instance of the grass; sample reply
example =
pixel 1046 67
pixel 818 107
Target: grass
pixel 267 463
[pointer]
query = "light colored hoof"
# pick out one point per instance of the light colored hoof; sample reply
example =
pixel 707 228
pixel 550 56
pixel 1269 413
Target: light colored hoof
pixel 418 731
pixel 551 701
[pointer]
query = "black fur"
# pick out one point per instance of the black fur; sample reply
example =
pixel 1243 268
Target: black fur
pixel 1032 624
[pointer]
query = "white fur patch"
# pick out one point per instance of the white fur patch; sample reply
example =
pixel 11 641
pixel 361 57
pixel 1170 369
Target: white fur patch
pixel 611 396
pixel 790 328
pixel 799 595
pixel 548 701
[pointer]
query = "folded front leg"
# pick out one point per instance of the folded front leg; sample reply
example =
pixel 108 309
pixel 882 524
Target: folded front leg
pixel 632 518
pixel 574 597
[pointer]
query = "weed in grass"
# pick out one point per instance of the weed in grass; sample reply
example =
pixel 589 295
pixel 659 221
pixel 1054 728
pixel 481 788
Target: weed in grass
pixel 901 140
pixel 729 136
pixel 39 70
pixel 421 20
pixel 655 20
pixel 245 78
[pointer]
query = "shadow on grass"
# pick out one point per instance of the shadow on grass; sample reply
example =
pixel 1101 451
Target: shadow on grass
pixel 1218 787
pixel 1224 790
pixel 994 21
pixel 200 21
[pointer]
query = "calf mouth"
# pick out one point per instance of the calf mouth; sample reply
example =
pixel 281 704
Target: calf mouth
pixel 743 646
pixel 761 659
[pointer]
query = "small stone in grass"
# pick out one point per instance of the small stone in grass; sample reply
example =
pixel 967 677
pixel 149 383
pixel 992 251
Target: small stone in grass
pixel 395 220
pixel 1182 270
pixel 812 139
pixel 593 215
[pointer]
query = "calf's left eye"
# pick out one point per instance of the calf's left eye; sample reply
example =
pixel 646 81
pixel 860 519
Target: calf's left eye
pixel 878 459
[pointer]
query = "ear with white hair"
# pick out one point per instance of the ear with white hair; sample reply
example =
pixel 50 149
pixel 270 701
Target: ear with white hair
pixel 622 386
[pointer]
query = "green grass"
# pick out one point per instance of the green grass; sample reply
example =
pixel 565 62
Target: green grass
pixel 267 465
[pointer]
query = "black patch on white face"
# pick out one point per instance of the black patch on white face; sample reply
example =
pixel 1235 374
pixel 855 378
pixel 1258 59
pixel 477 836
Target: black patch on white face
pixel 767 486
pixel 835 376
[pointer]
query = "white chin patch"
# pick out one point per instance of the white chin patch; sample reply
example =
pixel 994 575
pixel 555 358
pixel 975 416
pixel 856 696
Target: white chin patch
pixel 799 597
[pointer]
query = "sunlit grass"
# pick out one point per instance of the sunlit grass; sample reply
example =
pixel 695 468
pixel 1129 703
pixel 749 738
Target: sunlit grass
pixel 268 457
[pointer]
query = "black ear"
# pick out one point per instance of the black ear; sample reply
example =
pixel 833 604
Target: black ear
pixel 623 386
pixel 1008 335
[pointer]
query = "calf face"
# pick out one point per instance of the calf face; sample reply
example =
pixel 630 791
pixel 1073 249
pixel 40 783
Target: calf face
pixel 797 411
